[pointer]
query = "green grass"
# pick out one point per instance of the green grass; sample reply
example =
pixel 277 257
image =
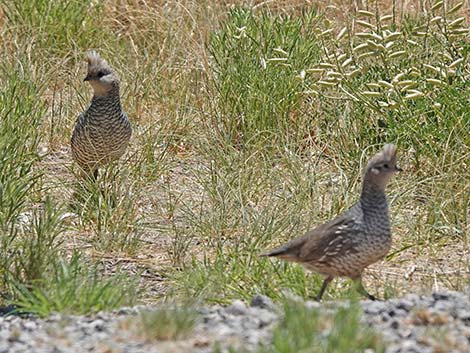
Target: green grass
pixel 73 286
pixel 306 330
pixel 168 323
pixel 250 127
pixel 256 63
pixel 109 209
pixel 53 26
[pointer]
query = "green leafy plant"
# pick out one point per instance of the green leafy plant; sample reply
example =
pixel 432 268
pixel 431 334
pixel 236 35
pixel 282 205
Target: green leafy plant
pixel 167 323
pixel 303 329
pixel 21 111
pixel 257 63
pixel 75 287
pixel 51 23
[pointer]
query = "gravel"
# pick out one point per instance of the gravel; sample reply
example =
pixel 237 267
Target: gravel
pixel 412 324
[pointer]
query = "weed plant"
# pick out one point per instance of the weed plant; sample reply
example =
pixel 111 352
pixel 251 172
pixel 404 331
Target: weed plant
pixel 306 330
pixel 168 323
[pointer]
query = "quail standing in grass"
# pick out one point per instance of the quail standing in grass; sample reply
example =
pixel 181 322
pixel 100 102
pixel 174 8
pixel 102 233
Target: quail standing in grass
pixel 102 132
pixel 355 239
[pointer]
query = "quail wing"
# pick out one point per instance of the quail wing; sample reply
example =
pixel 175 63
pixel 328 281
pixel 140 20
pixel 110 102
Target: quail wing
pixel 327 239
pixel 330 239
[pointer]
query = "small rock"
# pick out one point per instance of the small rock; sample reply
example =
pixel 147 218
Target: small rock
pixel 311 304
pixel 373 308
pixel 236 308
pixel 405 333
pixel 29 325
pixel 266 318
pixel 102 316
pixel 98 325
pixel 54 318
pixel 385 317
pixel 466 292
pixel 261 301
pixel 405 304
pixel 125 311
pixel 394 324
pixel 413 298
pixel 401 312
pixel 440 296
pixel 409 346
pixel 464 315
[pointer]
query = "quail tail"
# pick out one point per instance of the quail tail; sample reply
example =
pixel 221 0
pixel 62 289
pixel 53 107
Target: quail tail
pixel 286 252
pixel 274 252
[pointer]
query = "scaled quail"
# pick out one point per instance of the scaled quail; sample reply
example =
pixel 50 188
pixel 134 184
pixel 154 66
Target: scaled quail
pixel 355 239
pixel 102 132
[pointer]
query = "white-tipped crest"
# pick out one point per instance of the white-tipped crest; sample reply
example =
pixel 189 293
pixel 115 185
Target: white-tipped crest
pixel 389 151
pixel 388 155
pixel 94 59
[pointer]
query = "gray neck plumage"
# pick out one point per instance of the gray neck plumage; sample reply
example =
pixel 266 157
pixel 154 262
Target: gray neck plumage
pixel 373 198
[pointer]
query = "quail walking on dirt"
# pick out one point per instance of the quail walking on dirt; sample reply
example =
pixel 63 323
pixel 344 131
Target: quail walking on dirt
pixel 102 132
pixel 355 239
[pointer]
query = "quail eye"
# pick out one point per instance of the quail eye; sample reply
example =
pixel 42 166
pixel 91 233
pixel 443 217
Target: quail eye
pixel 386 166
pixel 100 74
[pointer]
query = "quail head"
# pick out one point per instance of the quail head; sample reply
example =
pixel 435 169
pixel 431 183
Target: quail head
pixel 357 238
pixel 100 75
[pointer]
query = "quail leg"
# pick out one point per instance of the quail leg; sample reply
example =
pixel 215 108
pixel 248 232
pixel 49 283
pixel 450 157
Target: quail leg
pixel 323 287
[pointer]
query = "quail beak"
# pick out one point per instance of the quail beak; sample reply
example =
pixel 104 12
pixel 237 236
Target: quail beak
pixel 398 169
pixel 87 78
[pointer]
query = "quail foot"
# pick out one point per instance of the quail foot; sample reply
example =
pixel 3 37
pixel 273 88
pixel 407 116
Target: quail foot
pixel 357 238
pixel 102 132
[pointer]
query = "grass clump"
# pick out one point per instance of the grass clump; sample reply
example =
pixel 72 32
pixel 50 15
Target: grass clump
pixel 73 286
pixel 170 323
pixel 398 79
pixel 21 110
pixel 37 244
pixel 257 63
pixel 304 329
pixel 58 25
pixel 108 206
